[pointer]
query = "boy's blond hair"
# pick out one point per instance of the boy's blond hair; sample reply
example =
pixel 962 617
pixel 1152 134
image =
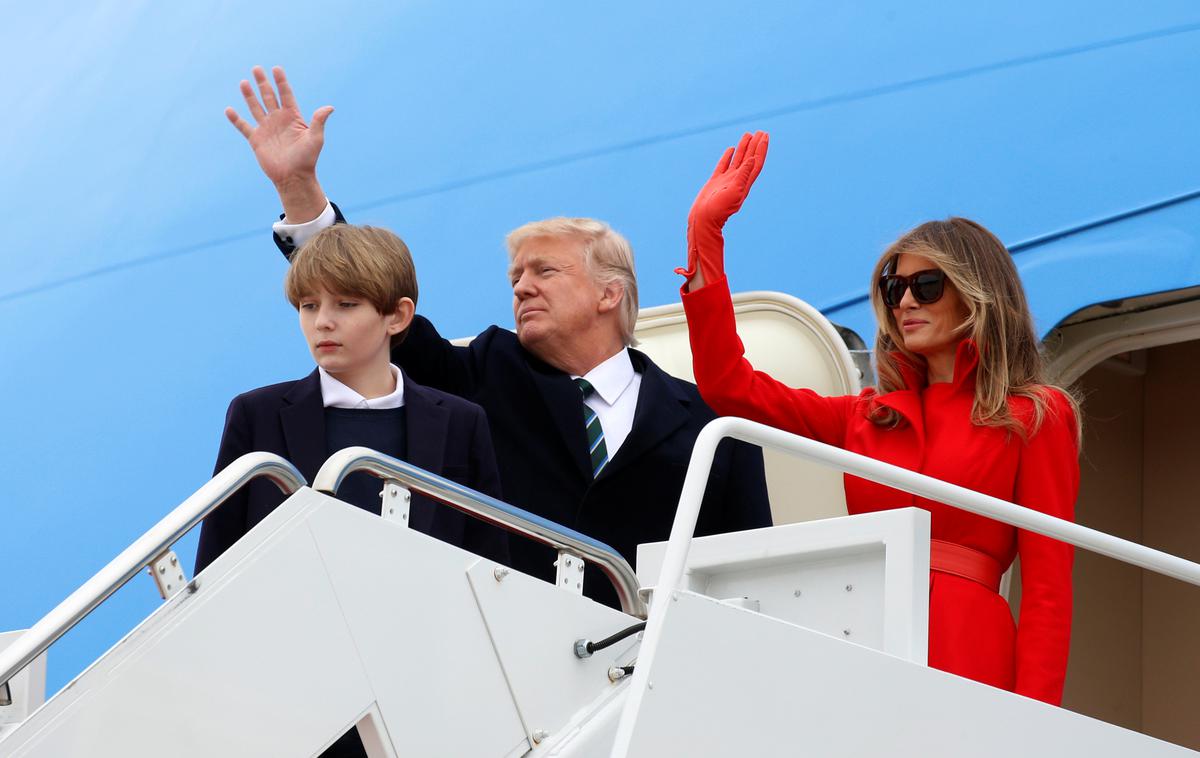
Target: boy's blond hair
pixel 359 261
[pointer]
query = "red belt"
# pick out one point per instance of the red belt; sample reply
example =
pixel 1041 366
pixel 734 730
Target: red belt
pixel 960 560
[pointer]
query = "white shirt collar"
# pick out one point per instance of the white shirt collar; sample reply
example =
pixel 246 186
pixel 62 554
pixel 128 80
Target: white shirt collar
pixel 337 395
pixel 612 377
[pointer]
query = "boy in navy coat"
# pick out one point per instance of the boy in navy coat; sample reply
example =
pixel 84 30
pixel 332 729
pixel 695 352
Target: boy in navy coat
pixel 355 289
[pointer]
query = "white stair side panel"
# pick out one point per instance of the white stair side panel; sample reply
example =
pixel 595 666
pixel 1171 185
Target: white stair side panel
pixel 864 578
pixel 420 636
pixel 731 682
pixel 267 658
pixel 591 733
pixel 26 690
pixel 549 683
pixel 263 665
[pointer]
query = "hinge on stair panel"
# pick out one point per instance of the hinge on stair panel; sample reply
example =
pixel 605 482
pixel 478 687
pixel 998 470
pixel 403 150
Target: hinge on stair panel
pixel 396 499
pixel 168 574
pixel 570 572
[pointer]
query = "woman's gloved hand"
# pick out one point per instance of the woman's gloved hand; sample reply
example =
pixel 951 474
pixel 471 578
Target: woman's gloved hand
pixel 720 198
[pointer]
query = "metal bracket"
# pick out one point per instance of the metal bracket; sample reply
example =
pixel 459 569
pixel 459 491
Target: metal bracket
pixel 570 572
pixel 396 500
pixel 168 574
pixel 750 604
pixel 646 594
pixel 5 694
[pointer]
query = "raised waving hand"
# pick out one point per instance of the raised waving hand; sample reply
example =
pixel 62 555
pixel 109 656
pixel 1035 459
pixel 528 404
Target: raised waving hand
pixel 285 146
pixel 721 197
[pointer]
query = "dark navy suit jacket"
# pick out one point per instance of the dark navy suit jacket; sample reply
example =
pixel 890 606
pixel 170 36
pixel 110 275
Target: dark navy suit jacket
pixel 536 416
pixel 445 434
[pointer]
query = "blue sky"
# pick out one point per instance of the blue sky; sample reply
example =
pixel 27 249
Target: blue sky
pixel 141 291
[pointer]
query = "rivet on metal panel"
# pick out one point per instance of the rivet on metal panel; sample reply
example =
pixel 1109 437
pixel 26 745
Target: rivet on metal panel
pixel 396 501
pixel 796 593
pixel 846 632
pixel 499 573
pixel 567 576
pixel 539 735
pixel 167 574
pixel 849 588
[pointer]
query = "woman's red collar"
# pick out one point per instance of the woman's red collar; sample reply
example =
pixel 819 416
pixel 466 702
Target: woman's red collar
pixel 916 377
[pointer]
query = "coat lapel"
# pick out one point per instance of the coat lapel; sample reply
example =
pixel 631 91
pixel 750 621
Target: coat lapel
pixel 662 407
pixel 303 419
pixel 564 403
pixel 908 404
pixel 428 425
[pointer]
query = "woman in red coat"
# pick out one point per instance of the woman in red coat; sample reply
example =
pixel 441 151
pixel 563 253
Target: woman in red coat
pixel 961 397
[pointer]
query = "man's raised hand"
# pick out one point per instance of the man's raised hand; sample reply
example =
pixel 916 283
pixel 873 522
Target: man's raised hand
pixel 286 147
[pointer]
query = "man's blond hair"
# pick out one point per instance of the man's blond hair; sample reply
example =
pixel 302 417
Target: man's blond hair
pixel 607 255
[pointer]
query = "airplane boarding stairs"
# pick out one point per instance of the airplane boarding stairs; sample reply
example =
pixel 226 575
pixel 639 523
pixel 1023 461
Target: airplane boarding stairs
pixel 805 639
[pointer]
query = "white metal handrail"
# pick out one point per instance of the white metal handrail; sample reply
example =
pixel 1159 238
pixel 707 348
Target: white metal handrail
pixel 683 529
pixel 143 551
pixel 344 462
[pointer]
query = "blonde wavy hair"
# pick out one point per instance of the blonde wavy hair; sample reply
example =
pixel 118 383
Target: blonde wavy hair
pixel 998 320
pixel 607 255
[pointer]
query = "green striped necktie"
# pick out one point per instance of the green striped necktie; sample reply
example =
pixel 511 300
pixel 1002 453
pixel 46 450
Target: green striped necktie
pixel 595 433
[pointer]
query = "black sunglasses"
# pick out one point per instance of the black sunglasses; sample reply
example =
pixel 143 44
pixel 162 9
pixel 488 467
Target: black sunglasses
pixel 926 287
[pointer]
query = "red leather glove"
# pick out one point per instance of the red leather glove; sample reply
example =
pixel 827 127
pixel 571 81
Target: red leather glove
pixel 720 198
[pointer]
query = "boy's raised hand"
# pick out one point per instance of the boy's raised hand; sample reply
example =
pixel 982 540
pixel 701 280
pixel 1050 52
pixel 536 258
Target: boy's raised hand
pixel 286 147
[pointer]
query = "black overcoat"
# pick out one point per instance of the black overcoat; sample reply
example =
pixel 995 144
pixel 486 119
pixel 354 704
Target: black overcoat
pixel 445 435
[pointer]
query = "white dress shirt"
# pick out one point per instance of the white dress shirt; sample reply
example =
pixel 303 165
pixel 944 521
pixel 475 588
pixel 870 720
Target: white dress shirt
pixel 298 234
pixel 615 398
pixel 337 395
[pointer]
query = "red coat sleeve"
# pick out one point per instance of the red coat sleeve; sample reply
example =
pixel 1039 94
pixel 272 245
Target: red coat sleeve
pixel 731 386
pixel 1048 481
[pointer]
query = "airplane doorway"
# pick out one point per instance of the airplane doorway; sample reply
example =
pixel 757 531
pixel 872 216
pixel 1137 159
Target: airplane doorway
pixel 1134 655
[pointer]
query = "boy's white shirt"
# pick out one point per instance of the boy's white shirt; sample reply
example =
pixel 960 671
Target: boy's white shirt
pixel 334 394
